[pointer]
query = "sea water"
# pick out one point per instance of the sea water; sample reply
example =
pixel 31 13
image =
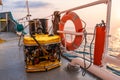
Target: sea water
pixel 113 44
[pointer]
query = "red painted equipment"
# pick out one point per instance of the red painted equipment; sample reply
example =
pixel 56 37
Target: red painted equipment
pixel 99 44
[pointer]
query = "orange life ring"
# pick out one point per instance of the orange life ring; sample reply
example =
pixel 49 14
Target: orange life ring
pixel 78 27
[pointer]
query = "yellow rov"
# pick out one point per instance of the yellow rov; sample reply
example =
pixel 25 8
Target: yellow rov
pixel 42 52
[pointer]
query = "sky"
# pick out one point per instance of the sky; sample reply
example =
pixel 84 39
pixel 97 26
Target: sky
pixel 43 8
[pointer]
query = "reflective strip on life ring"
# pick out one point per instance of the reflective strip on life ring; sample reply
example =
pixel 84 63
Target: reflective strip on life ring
pixel 78 28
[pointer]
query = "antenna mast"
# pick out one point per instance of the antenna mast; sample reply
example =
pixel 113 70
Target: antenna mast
pixel 28 11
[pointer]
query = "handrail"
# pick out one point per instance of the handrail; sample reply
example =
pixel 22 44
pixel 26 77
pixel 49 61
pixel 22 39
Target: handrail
pixel 84 6
pixel 75 33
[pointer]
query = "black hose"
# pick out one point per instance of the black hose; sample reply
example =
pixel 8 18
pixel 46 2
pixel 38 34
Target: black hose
pixel 84 72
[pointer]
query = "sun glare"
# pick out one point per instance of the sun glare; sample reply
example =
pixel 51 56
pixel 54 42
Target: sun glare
pixel 118 15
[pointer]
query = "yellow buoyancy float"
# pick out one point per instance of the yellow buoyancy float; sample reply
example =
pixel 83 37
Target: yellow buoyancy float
pixel 42 39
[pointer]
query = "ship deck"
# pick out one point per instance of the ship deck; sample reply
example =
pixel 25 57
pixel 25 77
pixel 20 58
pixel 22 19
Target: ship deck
pixel 12 65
